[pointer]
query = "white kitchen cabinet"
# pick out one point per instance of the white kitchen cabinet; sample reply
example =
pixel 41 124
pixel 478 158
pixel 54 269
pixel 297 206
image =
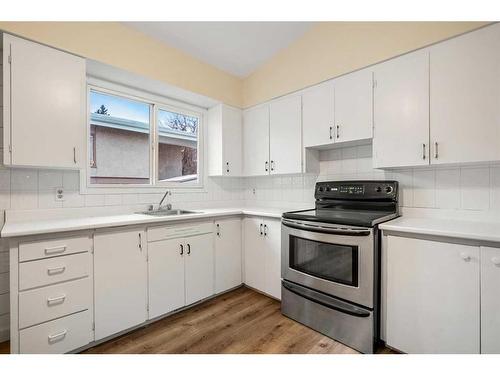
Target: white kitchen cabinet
pixel 227 254
pixel 401 111
pixel 285 135
pixel 465 98
pixel 353 106
pixel 433 302
pixel 44 106
pixel 199 267
pixel 225 141
pixel 262 249
pixel 317 115
pixel 256 141
pixel 490 300
pixel 120 281
pixel 166 277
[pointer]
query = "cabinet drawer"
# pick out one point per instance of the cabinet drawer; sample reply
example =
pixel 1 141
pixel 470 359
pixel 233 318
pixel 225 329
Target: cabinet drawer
pixel 39 305
pixel 58 336
pixel 54 247
pixel 53 270
pixel 178 231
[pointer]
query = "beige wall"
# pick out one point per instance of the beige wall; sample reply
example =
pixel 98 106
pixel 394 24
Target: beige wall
pixel 115 44
pixel 334 48
pixel 327 50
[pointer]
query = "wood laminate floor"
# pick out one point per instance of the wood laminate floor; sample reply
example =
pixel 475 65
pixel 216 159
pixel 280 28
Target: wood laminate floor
pixel 241 321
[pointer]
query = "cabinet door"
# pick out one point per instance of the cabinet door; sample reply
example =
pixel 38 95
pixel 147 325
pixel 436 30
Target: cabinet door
pixel 46 88
pixel 490 300
pixel 231 141
pixel 317 115
pixel 432 296
pixel 286 135
pixel 401 111
pixel 166 276
pixel 256 141
pixel 272 240
pixel 465 98
pixel 227 254
pixel 354 106
pixel 120 281
pixel 199 258
pixel 255 253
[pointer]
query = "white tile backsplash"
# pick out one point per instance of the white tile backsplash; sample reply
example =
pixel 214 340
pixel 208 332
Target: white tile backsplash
pixel 448 188
pixel 475 188
pixel 424 188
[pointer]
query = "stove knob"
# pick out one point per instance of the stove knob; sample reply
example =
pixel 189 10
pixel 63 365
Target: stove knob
pixel 378 189
pixel 388 189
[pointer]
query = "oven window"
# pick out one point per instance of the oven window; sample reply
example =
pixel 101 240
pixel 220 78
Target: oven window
pixel 338 263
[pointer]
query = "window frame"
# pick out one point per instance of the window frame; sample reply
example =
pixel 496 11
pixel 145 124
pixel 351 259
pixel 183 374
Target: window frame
pixel 156 102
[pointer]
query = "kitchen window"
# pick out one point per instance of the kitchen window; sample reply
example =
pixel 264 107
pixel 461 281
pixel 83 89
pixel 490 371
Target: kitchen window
pixel 135 142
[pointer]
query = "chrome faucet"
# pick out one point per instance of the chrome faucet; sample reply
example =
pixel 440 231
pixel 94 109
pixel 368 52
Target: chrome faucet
pixel 169 205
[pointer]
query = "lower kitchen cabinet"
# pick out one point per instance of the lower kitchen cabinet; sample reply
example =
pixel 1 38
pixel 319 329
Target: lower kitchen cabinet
pixel 490 300
pixel 166 276
pixel 262 248
pixel 120 281
pixel 199 267
pixel 227 254
pixel 433 296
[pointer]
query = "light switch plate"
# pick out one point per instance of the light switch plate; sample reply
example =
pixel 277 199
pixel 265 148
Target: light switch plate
pixel 59 194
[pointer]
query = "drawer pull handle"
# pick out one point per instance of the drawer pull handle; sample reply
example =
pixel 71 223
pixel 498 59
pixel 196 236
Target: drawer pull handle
pixel 57 336
pixel 56 271
pixel 496 261
pixel 56 300
pixel 55 250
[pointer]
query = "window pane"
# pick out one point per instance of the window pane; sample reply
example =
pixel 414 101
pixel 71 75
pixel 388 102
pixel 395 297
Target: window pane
pixel 177 147
pixel 119 136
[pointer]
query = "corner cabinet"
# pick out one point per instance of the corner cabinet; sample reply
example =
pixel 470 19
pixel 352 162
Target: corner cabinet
pixel 44 106
pixel 490 301
pixel 256 141
pixel 225 141
pixel 227 254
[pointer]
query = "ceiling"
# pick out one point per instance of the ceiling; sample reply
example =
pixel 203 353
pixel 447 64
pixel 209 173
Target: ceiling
pixel 237 48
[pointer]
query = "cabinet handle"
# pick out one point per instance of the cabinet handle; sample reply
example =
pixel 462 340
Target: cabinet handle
pixel 265 229
pixel 74 155
pixel 182 249
pixel 436 154
pixel 496 261
pixel 56 270
pixel 218 230
pixel 423 151
pixel 261 229
pixel 465 257
pixel 55 249
pixel 189 249
pixel 266 166
pixel 140 241
pixel 227 166
pixel 56 300
pixel 338 131
pixel 56 336
pixel 272 165
pixel 331 129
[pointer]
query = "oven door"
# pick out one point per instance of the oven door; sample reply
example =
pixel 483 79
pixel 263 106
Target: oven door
pixel 337 260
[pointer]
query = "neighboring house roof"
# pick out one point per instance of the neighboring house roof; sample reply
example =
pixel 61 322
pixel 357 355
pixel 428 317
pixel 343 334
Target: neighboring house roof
pixel 138 127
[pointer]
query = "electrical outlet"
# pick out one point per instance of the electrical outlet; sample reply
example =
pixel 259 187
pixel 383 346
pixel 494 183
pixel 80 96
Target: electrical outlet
pixel 59 194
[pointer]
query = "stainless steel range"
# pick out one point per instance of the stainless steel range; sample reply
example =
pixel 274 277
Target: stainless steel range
pixel 331 260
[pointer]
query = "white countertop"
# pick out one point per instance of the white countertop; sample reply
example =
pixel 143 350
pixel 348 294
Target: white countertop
pixel 464 229
pixel 27 228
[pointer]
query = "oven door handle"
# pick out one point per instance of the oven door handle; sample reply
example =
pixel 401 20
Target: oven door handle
pixel 325 300
pixel 319 229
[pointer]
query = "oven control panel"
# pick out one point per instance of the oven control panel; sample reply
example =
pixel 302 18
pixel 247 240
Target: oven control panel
pixel 358 190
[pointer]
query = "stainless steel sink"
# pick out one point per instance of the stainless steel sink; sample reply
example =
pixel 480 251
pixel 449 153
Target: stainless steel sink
pixel 166 212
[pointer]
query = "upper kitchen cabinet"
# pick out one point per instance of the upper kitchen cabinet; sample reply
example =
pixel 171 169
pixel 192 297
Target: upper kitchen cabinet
pixel 44 105
pixel 285 135
pixel 465 98
pixel 225 141
pixel 354 106
pixel 317 115
pixel 401 111
pixel 256 141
